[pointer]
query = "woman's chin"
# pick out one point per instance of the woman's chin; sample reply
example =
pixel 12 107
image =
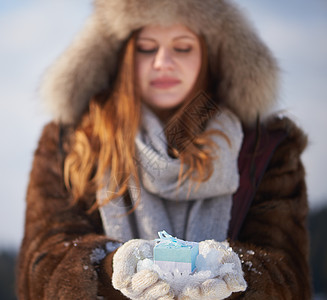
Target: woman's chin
pixel 165 103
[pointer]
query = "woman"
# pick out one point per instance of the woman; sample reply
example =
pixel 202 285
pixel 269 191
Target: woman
pixel 163 121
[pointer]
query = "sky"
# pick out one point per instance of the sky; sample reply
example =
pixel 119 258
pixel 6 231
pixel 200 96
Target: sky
pixel 33 33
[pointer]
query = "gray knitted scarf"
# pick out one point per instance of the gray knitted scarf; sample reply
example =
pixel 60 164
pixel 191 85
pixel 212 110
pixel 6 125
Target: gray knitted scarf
pixel 193 213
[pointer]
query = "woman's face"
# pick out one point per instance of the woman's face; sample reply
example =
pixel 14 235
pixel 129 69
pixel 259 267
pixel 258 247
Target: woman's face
pixel 168 62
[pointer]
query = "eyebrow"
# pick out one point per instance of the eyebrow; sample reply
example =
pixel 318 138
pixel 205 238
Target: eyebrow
pixel 184 37
pixel 176 38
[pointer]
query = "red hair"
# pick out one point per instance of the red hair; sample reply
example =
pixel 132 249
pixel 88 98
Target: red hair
pixel 105 137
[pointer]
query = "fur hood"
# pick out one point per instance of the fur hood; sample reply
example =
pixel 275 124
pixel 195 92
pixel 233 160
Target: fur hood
pixel 244 69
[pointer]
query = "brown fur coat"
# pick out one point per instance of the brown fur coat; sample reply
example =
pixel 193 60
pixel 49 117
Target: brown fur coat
pixel 271 235
pixel 54 261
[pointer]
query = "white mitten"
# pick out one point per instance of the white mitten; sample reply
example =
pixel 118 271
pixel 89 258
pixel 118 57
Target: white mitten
pixel 214 288
pixel 137 285
pixel 222 286
pixel 235 281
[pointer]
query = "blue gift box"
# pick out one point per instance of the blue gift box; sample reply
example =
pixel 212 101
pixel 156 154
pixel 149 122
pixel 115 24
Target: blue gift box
pixel 172 254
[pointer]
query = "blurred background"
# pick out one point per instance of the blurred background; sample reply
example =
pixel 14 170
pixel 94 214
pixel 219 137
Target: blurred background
pixel 33 33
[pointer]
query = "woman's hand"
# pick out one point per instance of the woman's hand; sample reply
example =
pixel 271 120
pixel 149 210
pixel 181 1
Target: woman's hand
pixel 218 287
pixel 137 285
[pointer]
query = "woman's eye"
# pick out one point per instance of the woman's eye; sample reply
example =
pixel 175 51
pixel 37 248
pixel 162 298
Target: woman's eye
pixel 147 51
pixel 183 50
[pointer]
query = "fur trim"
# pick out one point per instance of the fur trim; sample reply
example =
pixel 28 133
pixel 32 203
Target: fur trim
pixel 243 67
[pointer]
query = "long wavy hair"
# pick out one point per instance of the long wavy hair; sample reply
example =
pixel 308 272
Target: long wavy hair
pixel 104 139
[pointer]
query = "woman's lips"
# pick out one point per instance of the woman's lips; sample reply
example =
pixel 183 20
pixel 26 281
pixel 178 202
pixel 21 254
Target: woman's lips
pixel 164 83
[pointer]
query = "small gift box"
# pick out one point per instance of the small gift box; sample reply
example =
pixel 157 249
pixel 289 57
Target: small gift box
pixel 172 254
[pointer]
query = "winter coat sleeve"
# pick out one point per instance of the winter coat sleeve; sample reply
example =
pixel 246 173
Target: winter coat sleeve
pixel 273 241
pixel 60 256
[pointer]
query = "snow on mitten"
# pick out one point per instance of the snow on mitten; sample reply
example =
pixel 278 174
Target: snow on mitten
pixel 234 280
pixel 229 277
pixel 137 285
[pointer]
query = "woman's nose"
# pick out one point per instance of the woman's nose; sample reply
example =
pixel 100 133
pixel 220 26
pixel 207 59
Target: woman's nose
pixel 163 60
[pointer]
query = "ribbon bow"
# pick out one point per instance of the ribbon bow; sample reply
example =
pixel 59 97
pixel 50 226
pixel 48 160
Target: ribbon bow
pixel 170 241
